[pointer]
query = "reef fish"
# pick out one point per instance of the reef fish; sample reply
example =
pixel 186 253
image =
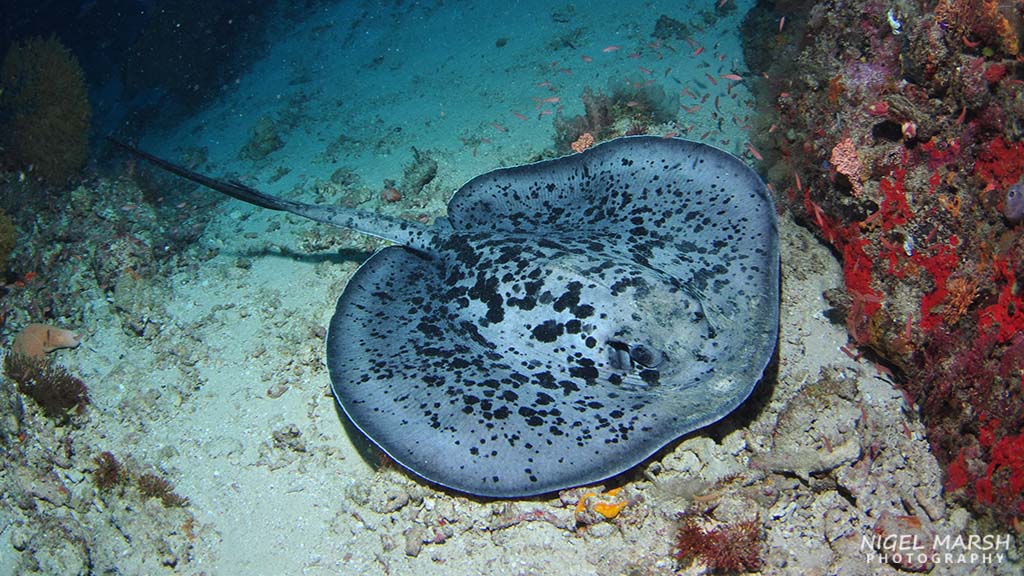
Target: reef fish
pixel 565 321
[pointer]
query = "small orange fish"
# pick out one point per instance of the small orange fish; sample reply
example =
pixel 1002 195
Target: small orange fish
pixel 782 22
pixel 548 100
pixel 733 77
pixel 754 151
pixel 611 48
pixel 712 79
pixel 586 58
pixel 499 127
pixel 520 116
pixel 632 104
pixel 646 71
pixel 692 109
pixel 698 50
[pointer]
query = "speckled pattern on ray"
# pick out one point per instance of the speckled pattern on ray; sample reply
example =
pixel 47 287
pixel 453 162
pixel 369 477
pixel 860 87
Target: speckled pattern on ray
pixel 565 321
pixel 574 316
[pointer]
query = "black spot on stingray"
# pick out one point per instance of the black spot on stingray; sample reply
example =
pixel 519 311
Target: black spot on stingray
pixel 650 377
pixel 549 331
pixel 583 311
pixel 545 243
pixel 486 291
pixel 429 330
pixel 528 303
pixel 532 418
pixel 588 373
pixel 570 298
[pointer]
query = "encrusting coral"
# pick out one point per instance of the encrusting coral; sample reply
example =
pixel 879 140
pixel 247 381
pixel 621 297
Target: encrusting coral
pixel 845 161
pixel 36 340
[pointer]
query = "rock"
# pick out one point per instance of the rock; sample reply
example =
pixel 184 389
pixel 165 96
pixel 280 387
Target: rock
pixel 264 139
pixel 904 541
pixel 418 174
pixel 414 540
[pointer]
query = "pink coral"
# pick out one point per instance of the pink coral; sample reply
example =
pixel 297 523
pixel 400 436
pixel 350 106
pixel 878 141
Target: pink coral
pixel 586 140
pixel 846 162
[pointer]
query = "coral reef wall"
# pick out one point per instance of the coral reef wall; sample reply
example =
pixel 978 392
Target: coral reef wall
pixel 44 111
pixel 893 129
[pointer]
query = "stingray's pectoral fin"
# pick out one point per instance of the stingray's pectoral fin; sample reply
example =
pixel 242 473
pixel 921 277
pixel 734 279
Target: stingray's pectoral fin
pixel 232 188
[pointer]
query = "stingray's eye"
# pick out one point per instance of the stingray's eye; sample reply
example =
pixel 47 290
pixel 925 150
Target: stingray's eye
pixel 622 356
pixel 618 355
pixel 645 357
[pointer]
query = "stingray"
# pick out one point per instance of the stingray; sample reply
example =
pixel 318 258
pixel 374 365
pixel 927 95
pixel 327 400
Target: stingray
pixel 564 322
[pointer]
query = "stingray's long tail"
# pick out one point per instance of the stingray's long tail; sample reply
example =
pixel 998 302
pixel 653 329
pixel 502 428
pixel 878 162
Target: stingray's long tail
pixel 410 234
pixel 232 188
